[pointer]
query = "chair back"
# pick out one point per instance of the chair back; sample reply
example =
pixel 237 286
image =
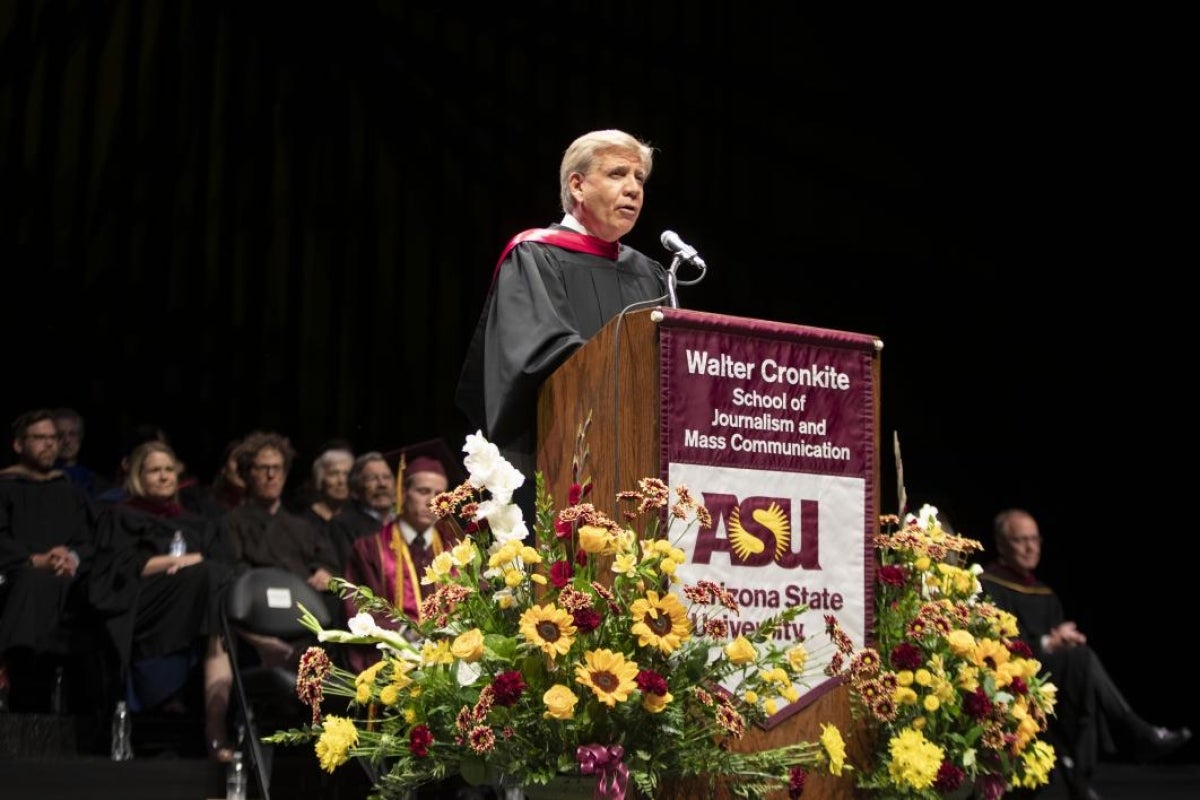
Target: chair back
pixel 265 601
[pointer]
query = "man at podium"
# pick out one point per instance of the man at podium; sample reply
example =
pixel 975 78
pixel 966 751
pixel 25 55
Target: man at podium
pixel 554 288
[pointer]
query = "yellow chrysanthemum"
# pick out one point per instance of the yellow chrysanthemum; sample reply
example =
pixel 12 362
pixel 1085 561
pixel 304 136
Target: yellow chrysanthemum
pixel 610 677
pixel 835 748
pixel 915 759
pixel 660 622
pixel 338 735
pixel 389 694
pixel 464 552
pixel 551 628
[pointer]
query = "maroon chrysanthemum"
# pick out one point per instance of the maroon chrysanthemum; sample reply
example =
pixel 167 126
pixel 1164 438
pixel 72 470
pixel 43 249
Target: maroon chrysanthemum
pixel 586 619
pixel 949 778
pixel 1019 648
pixel 976 704
pixel 650 682
pixel 419 740
pixel 906 656
pixel 508 688
pixel 891 575
pixel 1019 686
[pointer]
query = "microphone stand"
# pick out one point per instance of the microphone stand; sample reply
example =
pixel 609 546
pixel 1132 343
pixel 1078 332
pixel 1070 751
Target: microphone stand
pixel 672 281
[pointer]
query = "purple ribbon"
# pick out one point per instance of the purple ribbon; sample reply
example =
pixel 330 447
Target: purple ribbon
pixel 612 776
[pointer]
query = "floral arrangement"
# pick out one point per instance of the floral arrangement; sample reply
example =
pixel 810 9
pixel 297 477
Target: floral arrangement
pixel 956 702
pixel 572 652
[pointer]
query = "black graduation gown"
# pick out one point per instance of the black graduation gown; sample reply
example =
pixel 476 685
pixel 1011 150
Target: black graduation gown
pixel 39 610
pixel 159 614
pixel 544 304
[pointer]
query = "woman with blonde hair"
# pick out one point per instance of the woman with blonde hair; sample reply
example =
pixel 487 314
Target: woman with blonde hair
pixel 161 571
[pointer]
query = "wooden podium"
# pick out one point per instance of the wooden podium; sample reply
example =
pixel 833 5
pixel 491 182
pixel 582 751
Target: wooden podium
pixel 651 380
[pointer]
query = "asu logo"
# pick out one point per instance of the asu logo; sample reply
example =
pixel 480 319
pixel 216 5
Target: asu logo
pixel 759 531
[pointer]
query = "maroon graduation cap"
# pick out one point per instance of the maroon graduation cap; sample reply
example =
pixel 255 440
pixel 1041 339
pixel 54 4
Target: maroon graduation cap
pixel 433 455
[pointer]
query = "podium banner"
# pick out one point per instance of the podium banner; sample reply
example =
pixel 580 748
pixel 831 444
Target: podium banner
pixel 773 428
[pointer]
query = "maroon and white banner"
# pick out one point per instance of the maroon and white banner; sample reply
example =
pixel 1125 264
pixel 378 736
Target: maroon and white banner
pixel 772 427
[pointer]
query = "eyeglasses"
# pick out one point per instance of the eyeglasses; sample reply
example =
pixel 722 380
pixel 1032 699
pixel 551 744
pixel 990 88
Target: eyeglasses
pixel 269 469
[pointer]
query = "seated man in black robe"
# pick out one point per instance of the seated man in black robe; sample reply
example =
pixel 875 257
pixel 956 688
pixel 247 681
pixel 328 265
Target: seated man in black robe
pixel 47 530
pixel 372 504
pixel 1091 713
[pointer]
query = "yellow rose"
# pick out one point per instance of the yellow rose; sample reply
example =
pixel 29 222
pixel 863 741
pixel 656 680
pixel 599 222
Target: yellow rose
pixel 593 539
pixel 468 646
pixel 797 657
pixel 740 651
pixel 655 703
pixel 560 702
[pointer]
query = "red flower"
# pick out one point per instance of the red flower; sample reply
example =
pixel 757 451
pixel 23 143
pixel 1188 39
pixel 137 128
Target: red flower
pixel 906 656
pixel 560 573
pixel 508 688
pixel 891 575
pixel 977 704
pixel 796 781
pixel 1019 686
pixel 650 682
pixel 949 778
pixel 419 740
pixel 574 494
pixel 586 619
pixel 562 528
pixel 1019 648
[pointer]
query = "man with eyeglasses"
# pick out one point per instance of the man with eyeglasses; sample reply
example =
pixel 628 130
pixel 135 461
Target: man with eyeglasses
pixel 372 503
pixel 262 533
pixel 46 544
pixel 1092 714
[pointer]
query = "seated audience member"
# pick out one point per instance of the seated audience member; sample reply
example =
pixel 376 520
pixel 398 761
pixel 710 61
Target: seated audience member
pixel 392 560
pixel 262 533
pixel 1091 713
pixel 163 608
pixel 228 488
pixel 372 503
pixel 330 489
pixel 142 432
pixel 47 528
pixel 69 423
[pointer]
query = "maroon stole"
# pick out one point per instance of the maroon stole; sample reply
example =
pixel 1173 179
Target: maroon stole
pixel 567 240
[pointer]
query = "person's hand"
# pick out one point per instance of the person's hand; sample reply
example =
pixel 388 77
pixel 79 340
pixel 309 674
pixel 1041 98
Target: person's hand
pixel 58 560
pixel 1064 635
pixel 185 560
pixel 319 580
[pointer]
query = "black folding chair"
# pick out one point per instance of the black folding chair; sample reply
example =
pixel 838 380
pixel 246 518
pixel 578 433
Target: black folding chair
pixel 264 601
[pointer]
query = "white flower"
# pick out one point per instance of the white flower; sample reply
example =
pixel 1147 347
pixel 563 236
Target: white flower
pixel 488 469
pixel 468 672
pixel 363 624
pixel 506 521
pixel 926 518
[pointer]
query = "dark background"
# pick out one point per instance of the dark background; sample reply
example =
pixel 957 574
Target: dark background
pixel 221 216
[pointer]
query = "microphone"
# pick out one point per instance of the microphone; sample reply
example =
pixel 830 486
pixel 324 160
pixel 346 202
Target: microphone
pixel 674 244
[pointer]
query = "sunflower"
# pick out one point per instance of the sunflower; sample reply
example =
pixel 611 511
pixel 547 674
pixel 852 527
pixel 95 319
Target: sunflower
pixel 608 675
pixel 550 628
pixel 661 623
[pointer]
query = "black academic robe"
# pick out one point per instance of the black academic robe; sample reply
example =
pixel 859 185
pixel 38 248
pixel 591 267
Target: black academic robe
pixel 258 538
pixel 544 303
pixel 39 610
pixel 1090 708
pixel 160 614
